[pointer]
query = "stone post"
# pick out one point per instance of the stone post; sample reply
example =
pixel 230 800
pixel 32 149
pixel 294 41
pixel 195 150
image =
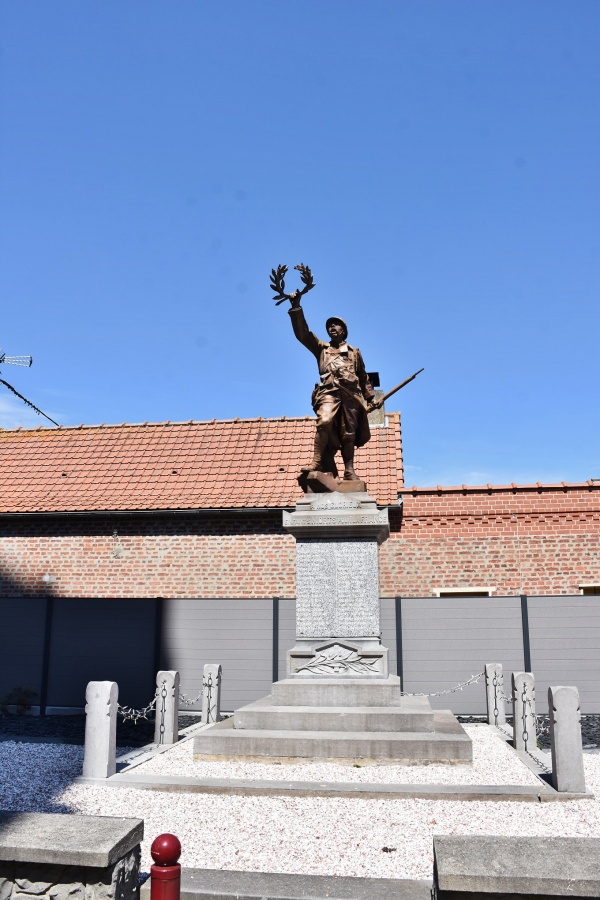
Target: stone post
pixel 565 739
pixel 523 696
pixel 211 693
pixel 494 694
pixel 99 756
pixel 166 727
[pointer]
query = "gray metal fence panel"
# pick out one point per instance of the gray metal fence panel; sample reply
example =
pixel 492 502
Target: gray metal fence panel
pixel 101 640
pixel 236 633
pixel 447 639
pixel 388 631
pixel 565 646
pixel 21 656
pixel 287 632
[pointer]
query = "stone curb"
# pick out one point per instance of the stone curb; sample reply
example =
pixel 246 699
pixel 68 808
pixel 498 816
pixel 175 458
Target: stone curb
pixel 214 884
pixel 366 790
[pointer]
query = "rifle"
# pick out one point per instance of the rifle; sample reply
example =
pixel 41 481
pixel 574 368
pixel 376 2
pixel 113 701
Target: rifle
pixel 398 387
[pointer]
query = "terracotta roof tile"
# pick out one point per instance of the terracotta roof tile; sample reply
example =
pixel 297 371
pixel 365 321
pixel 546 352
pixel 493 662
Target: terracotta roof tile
pixel 219 465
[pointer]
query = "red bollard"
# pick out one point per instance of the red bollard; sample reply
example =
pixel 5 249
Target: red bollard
pixel 165 876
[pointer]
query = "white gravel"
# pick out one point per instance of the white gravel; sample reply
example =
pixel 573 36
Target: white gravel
pixel 494 763
pixel 324 836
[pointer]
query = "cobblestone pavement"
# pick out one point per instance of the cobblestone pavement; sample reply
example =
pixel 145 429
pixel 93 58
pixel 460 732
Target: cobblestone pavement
pixel 71 729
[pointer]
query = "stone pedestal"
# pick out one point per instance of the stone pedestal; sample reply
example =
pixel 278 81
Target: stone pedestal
pixel 338 701
pixel 338 630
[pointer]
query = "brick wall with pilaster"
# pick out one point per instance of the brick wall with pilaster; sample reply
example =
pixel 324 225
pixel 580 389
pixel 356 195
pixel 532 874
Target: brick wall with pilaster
pixel 512 540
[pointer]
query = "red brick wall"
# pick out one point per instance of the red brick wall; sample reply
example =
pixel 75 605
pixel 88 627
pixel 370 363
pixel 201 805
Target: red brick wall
pixel 513 540
pixel 543 541
pixel 245 555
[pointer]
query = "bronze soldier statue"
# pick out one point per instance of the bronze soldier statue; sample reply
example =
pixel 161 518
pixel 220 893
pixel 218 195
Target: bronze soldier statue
pixel 343 397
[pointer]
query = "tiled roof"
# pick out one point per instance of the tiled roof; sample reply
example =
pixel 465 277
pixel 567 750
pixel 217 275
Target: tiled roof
pixel 241 463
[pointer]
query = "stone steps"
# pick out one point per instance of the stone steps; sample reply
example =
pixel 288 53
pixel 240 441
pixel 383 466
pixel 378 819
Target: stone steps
pixel 335 691
pixel 448 743
pixel 263 715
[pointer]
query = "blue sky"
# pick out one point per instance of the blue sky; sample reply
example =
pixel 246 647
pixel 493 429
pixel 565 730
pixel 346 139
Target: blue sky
pixel 435 163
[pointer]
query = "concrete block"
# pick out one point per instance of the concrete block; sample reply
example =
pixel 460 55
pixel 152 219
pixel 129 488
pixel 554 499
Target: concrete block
pixel 494 694
pixel 565 739
pixel 99 759
pixel 263 715
pixel 335 515
pixel 337 692
pixel 524 724
pixel 166 727
pixel 211 693
pixel 219 884
pixel 516 866
pixel 57 857
pixel 51 838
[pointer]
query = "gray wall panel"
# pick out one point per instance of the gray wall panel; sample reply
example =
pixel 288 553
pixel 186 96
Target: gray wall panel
pixel 388 630
pixel 101 640
pixel 235 633
pixel 287 632
pixel 23 622
pixel 565 647
pixel 446 640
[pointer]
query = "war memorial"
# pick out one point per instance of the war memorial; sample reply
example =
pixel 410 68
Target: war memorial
pixel 338 704
pixel 338 699
pixel 338 713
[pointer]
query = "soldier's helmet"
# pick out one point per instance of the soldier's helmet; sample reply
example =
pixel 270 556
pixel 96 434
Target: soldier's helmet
pixel 338 321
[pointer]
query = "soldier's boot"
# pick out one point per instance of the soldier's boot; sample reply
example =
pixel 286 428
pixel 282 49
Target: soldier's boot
pixel 316 464
pixel 348 457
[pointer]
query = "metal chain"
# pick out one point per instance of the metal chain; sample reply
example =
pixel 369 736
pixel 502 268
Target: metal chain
pixel 163 708
pixel 540 729
pixel 127 712
pixel 539 763
pixel 208 684
pixel 524 699
pixel 459 687
pixel 186 700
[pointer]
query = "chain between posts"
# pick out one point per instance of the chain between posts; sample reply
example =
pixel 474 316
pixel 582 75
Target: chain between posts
pixel 186 700
pixel 459 687
pixel 127 712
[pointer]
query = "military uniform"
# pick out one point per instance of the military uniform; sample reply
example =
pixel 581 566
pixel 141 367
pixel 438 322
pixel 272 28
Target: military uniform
pixel 341 397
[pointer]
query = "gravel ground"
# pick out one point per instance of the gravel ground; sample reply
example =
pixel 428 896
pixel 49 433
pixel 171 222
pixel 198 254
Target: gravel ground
pixel 322 836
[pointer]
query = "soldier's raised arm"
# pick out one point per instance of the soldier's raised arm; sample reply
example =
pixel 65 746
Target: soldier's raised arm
pixel 301 329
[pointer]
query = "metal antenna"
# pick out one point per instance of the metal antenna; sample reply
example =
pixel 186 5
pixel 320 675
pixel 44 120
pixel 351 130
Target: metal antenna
pixel 25 361
pixel 16 360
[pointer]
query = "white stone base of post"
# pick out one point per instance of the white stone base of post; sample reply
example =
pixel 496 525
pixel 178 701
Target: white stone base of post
pixel 166 728
pixel 565 739
pixel 494 694
pixel 211 693
pixel 100 751
pixel 524 726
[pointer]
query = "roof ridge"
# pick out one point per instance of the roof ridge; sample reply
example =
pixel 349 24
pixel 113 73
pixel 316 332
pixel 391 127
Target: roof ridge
pixel 478 488
pixel 82 427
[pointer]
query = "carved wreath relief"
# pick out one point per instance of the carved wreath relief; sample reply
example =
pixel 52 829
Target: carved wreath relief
pixel 339 660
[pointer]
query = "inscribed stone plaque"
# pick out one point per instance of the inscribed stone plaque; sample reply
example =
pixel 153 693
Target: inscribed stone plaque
pixel 337 589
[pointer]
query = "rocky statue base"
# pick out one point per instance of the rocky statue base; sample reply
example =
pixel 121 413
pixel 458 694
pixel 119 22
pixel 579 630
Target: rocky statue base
pixel 338 701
